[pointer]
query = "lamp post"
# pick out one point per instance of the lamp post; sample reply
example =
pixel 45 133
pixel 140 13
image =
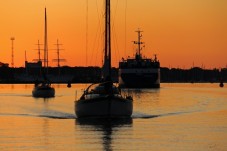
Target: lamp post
pixel 12 61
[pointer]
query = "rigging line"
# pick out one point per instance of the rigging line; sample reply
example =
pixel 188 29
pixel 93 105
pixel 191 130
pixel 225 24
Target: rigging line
pixel 96 35
pixel 86 31
pixel 99 31
pixel 126 5
pixel 98 52
pixel 114 33
pixel 90 60
pixel 114 16
pixel 103 33
pixel 116 52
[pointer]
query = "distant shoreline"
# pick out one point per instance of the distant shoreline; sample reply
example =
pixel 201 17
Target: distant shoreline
pixel 93 75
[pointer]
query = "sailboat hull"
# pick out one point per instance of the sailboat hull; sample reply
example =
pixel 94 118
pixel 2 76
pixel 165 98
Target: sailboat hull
pixel 43 92
pixel 106 107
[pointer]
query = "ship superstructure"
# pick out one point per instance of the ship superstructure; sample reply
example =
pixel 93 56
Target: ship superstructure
pixel 139 72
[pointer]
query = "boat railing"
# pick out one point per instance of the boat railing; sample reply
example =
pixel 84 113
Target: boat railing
pixel 103 88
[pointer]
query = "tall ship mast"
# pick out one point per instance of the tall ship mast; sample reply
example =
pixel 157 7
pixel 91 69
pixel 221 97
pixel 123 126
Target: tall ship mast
pixel 139 72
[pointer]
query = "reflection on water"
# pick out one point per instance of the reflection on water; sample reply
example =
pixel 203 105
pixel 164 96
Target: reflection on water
pixel 104 122
pixel 45 100
pixel 106 126
pixel 139 94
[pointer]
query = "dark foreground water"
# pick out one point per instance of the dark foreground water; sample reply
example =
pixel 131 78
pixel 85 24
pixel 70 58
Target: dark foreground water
pixel 175 117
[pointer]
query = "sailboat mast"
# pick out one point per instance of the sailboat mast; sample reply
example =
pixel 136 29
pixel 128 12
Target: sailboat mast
pixel 45 45
pixel 58 59
pixel 107 56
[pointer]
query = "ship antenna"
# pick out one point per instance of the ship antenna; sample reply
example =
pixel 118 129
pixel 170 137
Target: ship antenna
pixel 155 57
pixel 139 42
pixel 25 56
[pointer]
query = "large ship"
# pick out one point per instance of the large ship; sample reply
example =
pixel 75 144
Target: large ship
pixel 139 72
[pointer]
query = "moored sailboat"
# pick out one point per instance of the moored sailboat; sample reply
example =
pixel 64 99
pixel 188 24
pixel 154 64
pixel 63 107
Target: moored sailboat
pixel 104 99
pixel 44 88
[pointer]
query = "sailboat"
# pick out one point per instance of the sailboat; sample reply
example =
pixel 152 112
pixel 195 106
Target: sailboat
pixel 44 89
pixel 104 99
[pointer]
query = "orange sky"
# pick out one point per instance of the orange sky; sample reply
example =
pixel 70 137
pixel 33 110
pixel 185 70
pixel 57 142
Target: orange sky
pixel 180 32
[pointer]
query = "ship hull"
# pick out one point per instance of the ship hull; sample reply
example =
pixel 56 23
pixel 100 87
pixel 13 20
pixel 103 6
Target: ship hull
pixel 104 107
pixel 139 78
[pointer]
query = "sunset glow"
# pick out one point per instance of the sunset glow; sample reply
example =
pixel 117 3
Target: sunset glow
pixel 181 33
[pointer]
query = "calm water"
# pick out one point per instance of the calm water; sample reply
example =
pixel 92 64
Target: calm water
pixel 175 117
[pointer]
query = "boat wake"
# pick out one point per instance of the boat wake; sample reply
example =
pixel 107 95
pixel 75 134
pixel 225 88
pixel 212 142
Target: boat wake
pixel 139 115
pixel 62 115
pixel 65 116
pixel 135 115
